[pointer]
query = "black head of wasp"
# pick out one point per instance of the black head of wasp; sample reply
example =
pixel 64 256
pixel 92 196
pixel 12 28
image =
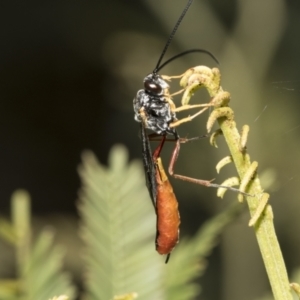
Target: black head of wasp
pixel 155 110
pixel 153 106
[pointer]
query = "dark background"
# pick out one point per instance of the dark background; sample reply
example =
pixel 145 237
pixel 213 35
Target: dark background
pixel 70 69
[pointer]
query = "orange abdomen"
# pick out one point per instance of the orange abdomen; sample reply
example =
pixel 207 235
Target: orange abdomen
pixel 168 218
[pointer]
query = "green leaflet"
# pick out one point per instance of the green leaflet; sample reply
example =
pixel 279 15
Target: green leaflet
pixel 39 265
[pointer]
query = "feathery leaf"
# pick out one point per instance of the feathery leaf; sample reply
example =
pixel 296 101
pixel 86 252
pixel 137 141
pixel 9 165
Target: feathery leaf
pixel 39 267
pixel 118 228
pixel 43 277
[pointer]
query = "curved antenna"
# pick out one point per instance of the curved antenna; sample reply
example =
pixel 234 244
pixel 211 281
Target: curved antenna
pixel 172 34
pixel 185 53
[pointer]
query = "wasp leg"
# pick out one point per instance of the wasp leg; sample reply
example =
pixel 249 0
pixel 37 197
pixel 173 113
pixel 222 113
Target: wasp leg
pixel 177 93
pixel 207 183
pixel 168 78
pixel 189 118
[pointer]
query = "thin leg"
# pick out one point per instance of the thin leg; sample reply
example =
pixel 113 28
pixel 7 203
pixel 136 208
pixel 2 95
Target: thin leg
pixel 158 137
pixel 207 183
pixel 172 165
pixel 164 139
pixel 189 118
pixel 177 93
pixel 188 106
pixel 168 78
pixel 157 151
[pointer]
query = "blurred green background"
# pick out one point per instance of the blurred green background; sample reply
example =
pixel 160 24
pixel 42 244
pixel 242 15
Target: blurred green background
pixel 69 71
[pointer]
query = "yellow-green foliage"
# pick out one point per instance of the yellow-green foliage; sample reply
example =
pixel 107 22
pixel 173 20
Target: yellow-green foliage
pixel 39 264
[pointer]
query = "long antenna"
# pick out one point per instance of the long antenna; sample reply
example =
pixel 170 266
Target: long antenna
pixel 172 35
pixel 185 53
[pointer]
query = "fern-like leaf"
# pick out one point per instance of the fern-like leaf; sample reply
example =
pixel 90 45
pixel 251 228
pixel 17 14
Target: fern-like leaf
pixel 118 228
pixel 39 267
pixel 43 277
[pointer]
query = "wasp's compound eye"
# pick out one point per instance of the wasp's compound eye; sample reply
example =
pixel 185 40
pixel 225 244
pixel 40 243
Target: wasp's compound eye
pixel 152 87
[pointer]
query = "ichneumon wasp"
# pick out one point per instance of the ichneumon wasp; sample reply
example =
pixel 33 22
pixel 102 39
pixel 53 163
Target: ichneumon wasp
pixel 155 110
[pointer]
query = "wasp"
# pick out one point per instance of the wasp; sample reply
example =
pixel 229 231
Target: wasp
pixel 155 110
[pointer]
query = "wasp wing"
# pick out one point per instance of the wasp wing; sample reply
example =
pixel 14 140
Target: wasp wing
pixel 149 165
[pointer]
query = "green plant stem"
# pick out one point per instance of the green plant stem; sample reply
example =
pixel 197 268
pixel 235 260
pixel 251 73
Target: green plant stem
pixel 260 210
pixel 264 227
